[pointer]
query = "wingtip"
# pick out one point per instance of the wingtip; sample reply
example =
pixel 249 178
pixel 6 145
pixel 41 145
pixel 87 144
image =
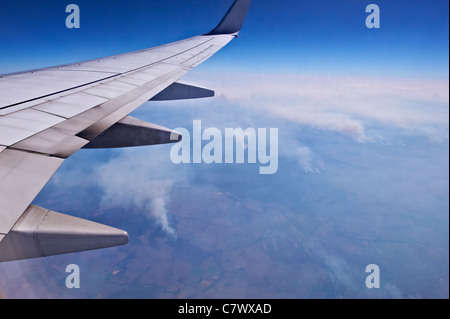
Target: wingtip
pixel 234 19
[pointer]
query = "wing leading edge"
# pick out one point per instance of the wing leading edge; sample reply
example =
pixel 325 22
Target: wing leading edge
pixel 47 115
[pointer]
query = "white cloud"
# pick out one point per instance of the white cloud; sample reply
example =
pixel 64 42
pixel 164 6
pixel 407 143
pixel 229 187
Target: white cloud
pixel 303 156
pixel 347 105
pixel 141 179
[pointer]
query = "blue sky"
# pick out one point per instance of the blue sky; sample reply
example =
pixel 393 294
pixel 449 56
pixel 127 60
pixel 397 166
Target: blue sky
pixel 312 37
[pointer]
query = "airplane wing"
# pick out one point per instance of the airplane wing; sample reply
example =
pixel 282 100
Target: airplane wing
pixel 47 115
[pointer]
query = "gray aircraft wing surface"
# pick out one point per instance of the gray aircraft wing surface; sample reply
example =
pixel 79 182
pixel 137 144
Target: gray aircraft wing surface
pixel 47 115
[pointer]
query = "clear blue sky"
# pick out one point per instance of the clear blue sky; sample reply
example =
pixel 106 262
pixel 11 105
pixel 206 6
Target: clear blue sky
pixel 325 37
